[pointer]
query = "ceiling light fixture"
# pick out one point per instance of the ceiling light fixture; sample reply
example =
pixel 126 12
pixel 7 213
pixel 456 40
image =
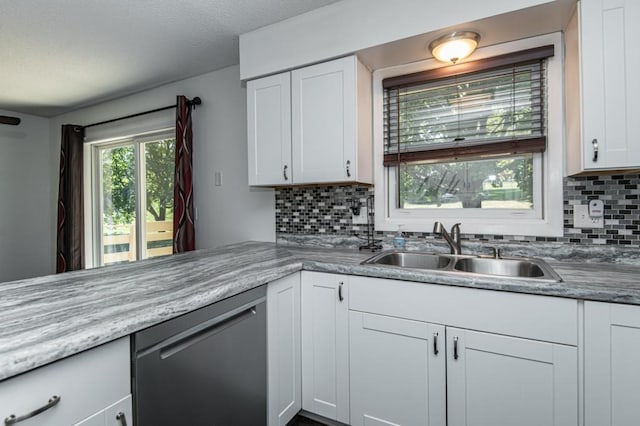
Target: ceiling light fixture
pixel 454 46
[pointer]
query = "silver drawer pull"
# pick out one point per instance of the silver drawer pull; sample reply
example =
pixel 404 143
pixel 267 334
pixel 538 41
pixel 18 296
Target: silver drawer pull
pixel 348 168
pixel 595 150
pixel 122 419
pixel 435 344
pixel 455 348
pixel 13 419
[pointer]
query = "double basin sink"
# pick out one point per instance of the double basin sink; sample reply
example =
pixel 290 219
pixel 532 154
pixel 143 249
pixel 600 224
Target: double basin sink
pixel 526 268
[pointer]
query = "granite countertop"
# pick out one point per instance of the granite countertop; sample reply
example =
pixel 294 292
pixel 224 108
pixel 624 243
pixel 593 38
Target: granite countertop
pixel 49 318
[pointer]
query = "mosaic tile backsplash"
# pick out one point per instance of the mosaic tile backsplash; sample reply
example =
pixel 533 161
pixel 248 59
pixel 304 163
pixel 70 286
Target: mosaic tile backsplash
pixel 324 210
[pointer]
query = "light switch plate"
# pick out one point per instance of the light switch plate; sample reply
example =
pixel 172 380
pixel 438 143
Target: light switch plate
pixel 581 218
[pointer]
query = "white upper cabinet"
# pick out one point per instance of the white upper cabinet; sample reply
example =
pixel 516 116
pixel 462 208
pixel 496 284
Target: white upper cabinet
pixel 328 129
pixel 269 130
pixel 321 135
pixel 609 63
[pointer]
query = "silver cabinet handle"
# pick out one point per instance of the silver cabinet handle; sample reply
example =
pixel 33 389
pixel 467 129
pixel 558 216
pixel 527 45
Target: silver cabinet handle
pixel 595 150
pixel 121 418
pixel 348 168
pixel 196 334
pixel 435 344
pixel 455 348
pixel 340 297
pixel 284 173
pixel 13 419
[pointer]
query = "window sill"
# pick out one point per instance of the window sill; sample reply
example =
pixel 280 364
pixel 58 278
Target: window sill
pixel 523 227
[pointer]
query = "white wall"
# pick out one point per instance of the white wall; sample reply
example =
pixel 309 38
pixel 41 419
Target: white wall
pixel 229 213
pixel 26 202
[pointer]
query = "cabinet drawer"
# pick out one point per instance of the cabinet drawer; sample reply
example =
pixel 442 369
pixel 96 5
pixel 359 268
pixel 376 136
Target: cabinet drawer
pixel 550 319
pixel 86 383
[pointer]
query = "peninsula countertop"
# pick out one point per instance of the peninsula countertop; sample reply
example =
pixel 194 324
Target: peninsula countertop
pixel 49 318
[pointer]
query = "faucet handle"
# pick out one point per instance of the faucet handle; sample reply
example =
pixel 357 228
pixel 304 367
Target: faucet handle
pixel 437 227
pixel 455 230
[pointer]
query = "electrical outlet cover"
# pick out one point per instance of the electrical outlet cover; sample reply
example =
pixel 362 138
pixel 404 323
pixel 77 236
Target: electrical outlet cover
pixel 360 219
pixel 581 218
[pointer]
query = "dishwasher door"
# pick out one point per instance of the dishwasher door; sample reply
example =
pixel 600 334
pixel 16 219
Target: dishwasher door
pixel 205 368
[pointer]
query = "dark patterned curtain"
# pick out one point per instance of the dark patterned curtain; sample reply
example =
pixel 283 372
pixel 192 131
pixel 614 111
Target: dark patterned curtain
pixel 70 246
pixel 184 238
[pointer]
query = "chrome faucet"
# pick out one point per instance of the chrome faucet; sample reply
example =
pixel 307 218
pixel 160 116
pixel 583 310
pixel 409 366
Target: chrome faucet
pixel 453 238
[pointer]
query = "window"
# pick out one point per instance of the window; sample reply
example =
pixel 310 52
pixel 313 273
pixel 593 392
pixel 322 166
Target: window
pixel 133 178
pixel 473 142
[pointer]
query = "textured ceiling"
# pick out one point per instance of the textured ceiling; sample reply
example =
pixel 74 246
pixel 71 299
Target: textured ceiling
pixel 59 55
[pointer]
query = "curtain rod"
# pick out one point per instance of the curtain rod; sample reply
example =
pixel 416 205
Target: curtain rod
pixel 194 101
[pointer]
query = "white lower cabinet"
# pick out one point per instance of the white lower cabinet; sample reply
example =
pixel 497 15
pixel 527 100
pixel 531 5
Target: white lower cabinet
pixel 473 374
pixel 325 345
pixel 502 380
pixel 402 373
pixel 90 386
pixel 117 414
pixel 97 419
pixel 398 371
pixel 612 367
pixel 283 350
pixel 379 352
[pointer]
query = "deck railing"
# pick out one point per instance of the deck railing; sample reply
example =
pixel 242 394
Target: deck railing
pixel 155 232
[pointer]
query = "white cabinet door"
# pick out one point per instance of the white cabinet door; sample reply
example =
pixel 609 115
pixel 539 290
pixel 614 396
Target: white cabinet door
pixel 269 130
pixel 397 371
pixel 119 413
pixel 612 369
pixel 500 380
pixel 97 419
pixel 610 86
pixel 325 345
pixel 284 348
pixel 323 99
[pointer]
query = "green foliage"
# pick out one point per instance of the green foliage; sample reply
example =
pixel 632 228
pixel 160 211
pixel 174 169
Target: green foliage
pixel 160 175
pixel 119 185
pixel 440 113
pixel 436 184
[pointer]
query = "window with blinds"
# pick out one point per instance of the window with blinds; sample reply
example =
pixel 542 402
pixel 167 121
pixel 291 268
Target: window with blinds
pixel 465 136
pixel 487 108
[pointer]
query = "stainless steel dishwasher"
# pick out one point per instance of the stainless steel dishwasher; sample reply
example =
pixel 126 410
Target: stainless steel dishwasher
pixel 205 368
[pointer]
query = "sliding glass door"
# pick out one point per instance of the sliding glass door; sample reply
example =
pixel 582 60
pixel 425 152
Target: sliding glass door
pixel 133 199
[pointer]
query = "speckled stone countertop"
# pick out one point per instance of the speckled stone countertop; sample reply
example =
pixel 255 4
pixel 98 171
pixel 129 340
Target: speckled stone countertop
pixel 48 318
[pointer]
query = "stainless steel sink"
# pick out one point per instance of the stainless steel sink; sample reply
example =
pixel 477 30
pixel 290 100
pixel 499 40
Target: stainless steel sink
pixel 408 259
pixel 528 268
pixel 510 267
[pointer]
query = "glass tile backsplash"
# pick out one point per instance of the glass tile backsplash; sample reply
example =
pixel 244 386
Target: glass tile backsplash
pixel 324 210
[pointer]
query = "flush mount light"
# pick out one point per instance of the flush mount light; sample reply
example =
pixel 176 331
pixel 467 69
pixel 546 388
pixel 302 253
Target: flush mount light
pixel 454 46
